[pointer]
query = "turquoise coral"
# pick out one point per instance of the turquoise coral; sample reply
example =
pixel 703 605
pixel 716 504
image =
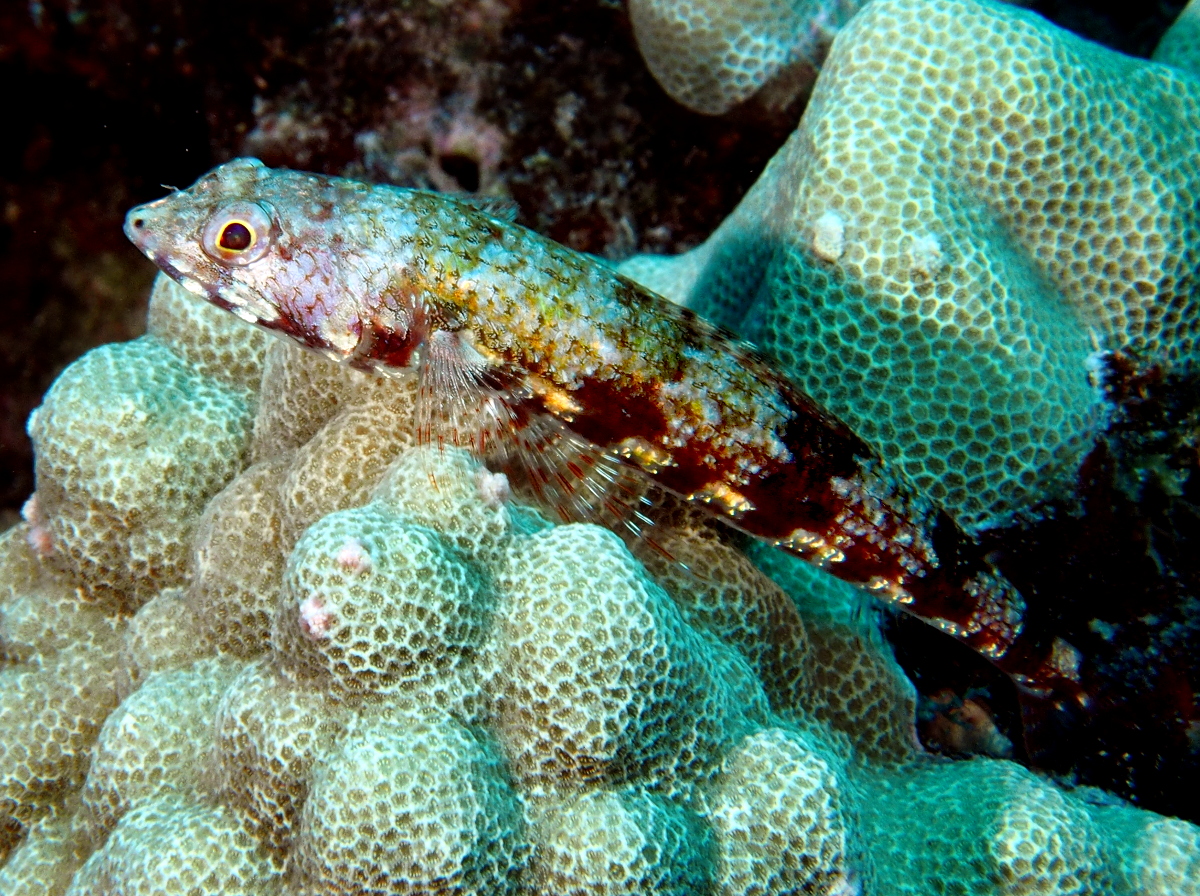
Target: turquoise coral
pixel 969 209
pixel 571 722
pixel 1180 46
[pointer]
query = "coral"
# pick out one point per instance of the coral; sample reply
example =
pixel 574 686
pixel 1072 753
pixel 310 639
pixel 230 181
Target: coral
pixel 624 687
pixel 711 55
pixel 200 338
pixel 133 443
pixel 163 634
pixel 968 208
pixel 374 604
pixel 172 845
pixel 774 787
pixel 269 731
pixel 440 815
pixel 1180 46
pixel 48 858
pixel 301 400
pixel 154 741
pixel 434 689
pixel 56 685
pixel 636 843
pixel 237 561
pixel 355 446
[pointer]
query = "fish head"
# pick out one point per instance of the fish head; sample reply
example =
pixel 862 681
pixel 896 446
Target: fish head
pixel 286 250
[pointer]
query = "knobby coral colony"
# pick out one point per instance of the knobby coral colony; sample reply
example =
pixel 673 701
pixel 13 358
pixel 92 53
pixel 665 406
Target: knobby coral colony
pixel 967 211
pixel 518 338
pixel 250 650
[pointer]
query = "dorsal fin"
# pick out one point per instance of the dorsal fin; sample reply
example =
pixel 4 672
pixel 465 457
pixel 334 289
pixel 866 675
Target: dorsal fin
pixel 503 208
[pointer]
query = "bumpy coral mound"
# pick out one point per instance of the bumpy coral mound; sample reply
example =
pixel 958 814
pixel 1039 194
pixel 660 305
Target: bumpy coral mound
pixel 172 846
pixel 373 604
pixel 133 441
pixel 625 687
pixel 441 817
pixel 635 843
pixel 56 685
pixel 431 689
pixel 971 206
pixel 793 793
pixel 269 732
pixel 237 560
pixel 712 54
pixel 1023 835
pixel 155 740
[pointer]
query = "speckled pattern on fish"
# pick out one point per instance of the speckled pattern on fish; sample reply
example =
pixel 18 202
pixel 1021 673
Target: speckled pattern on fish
pixel 384 278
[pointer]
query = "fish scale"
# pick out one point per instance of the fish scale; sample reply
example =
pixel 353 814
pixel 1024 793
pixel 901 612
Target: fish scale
pixel 382 278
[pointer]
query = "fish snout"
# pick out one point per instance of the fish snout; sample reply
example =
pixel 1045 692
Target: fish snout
pixel 143 230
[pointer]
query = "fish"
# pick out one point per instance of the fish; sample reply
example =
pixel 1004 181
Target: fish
pixel 541 344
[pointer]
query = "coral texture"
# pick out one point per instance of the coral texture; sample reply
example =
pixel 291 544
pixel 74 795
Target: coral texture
pixel 124 479
pixel 969 209
pixel 711 55
pixel 438 690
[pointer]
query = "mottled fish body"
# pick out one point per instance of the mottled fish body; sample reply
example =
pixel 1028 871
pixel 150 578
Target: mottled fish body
pixel 384 278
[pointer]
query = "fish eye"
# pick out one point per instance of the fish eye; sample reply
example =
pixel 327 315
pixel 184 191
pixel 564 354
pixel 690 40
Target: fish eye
pixel 239 233
pixel 237 236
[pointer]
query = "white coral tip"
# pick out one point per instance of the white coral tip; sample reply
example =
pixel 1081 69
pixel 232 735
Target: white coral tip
pixel 494 489
pixel 30 511
pixel 926 255
pixel 829 236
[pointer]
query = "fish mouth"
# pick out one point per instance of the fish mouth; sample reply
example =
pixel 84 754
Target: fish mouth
pixel 140 230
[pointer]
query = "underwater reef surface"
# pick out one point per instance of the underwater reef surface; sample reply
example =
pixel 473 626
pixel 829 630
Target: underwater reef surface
pixel 1110 561
pixel 257 641
pixel 975 251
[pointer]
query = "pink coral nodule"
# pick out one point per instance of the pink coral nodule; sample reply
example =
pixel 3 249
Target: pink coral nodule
pixel 315 617
pixel 353 557
pixel 39 537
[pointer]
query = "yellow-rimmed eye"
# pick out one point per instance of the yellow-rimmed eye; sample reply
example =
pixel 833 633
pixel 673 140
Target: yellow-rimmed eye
pixel 239 233
pixel 237 236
